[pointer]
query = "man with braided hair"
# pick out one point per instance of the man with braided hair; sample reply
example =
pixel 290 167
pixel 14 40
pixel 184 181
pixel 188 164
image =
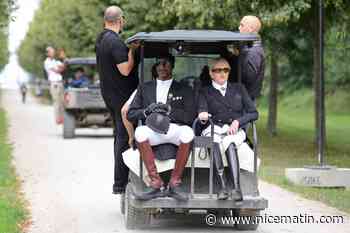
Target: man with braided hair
pixel 166 106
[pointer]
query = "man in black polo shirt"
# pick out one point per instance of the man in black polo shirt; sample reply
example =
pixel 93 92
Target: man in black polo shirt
pixel 115 63
pixel 252 59
pixel 253 62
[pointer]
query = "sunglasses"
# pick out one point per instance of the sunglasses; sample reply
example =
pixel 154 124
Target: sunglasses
pixel 219 70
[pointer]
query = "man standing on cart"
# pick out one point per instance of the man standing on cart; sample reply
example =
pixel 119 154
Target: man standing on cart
pixel 166 106
pixel 253 65
pixel 252 59
pixel 115 63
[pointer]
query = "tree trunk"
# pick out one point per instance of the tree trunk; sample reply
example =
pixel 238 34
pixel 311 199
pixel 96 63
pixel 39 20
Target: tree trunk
pixel 273 94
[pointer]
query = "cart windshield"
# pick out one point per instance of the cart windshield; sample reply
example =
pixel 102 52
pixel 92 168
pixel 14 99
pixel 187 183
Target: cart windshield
pixel 186 67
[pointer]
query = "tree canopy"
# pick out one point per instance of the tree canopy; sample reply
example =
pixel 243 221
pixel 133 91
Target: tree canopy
pixel 287 28
pixel 6 6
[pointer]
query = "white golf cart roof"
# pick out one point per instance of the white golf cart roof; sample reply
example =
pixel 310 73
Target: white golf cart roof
pixel 193 36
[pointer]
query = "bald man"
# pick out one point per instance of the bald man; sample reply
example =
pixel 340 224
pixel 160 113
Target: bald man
pixel 249 24
pixel 253 62
pixel 118 79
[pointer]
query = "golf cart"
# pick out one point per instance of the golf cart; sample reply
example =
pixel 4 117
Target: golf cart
pixel 192 51
pixel 82 101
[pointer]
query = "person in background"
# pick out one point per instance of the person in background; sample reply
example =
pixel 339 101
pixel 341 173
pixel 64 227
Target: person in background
pixel 23 89
pixel 252 59
pixel 253 62
pixel 62 57
pixel 80 79
pixel 54 69
pixel 61 54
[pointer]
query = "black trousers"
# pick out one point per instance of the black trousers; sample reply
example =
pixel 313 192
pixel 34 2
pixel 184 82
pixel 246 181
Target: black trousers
pixel 121 171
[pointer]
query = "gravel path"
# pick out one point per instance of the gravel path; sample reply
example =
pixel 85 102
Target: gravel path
pixel 68 182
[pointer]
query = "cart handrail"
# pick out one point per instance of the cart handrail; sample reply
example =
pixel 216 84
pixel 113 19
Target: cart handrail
pixel 255 149
pixel 195 122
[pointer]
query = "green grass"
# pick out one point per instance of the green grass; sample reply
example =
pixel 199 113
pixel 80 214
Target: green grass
pixel 12 210
pixel 294 145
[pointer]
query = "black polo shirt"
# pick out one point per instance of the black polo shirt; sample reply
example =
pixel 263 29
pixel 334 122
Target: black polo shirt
pixel 115 87
pixel 253 68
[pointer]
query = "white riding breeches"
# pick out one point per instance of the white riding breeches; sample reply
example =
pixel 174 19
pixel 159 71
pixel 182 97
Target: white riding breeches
pixel 223 139
pixel 176 134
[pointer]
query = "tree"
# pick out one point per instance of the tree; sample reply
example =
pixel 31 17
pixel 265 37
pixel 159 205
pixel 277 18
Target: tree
pixel 73 26
pixel 284 22
pixel 145 16
pixel 6 7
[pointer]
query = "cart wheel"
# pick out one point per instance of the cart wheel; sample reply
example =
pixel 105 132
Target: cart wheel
pixel 135 217
pixel 68 125
pixel 122 203
pixel 247 224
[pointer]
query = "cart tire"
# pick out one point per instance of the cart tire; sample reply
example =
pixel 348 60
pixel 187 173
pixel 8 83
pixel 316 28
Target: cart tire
pixel 247 225
pixel 135 217
pixel 122 203
pixel 68 125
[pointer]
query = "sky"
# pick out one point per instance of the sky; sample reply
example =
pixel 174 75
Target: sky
pixel 13 74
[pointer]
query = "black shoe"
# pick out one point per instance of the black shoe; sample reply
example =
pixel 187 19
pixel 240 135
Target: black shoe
pixel 237 195
pixel 177 193
pixel 118 190
pixel 149 193
pixel 222 194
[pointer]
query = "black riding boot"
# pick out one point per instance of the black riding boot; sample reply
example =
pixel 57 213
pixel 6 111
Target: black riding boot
pixel 233 163
pixel 219 168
